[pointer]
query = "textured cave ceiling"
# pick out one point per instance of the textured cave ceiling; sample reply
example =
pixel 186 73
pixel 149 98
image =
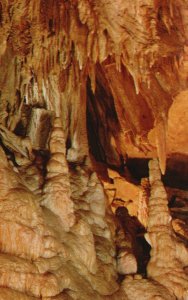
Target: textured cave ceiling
pixel 90 92
pixel 130 59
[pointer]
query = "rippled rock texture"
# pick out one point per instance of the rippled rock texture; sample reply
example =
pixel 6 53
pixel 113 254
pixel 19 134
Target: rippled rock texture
pixel 86 87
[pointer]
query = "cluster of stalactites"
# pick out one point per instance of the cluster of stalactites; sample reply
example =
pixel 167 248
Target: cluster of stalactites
pixel 84 30
pixel 44 46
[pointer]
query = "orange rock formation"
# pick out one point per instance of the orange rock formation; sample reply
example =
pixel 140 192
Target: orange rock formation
pixel 89 92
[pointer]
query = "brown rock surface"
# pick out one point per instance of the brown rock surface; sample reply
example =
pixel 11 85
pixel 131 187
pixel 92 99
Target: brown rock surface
pixel 86 86
pixel 169 257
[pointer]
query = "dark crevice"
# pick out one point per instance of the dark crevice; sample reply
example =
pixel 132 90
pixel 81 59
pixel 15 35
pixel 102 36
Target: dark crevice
pixel 102 124
pixel 138 168
pixel 176 175
pixel 134 231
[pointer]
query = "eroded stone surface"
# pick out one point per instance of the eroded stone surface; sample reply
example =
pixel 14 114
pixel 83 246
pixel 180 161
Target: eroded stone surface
pixel 113 73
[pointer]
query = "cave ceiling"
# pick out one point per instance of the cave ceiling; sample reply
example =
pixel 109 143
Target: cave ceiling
pixel 131 56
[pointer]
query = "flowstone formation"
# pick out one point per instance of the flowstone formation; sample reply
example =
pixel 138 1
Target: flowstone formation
pixel 43 254
pixel 90 92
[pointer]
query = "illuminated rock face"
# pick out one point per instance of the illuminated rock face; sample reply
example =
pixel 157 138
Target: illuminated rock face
pixel 84 87
pixel 167 269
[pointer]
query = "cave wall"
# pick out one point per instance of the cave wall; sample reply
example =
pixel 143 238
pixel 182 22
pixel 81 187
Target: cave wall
pixel 84 83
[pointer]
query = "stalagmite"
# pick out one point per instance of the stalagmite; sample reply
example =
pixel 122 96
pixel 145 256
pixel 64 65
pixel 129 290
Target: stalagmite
pixel 57 188
pixel 126 260
pixel 168 255
pixel 25 238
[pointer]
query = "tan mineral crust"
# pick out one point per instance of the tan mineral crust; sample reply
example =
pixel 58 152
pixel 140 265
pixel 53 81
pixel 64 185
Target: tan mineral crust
pixel 90 92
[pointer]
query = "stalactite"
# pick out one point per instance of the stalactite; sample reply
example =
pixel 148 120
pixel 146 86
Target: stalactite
pixel 161 143
pixel 92 76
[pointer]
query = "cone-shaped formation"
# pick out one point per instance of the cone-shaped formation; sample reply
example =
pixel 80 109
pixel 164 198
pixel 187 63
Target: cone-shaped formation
pixel 38 258
pixel 168 256
pixel 126 260
pixel 29 250
pixel 57 186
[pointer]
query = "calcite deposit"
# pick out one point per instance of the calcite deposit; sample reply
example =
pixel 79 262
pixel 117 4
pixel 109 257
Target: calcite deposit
pixel 167 269
pixel 90 93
